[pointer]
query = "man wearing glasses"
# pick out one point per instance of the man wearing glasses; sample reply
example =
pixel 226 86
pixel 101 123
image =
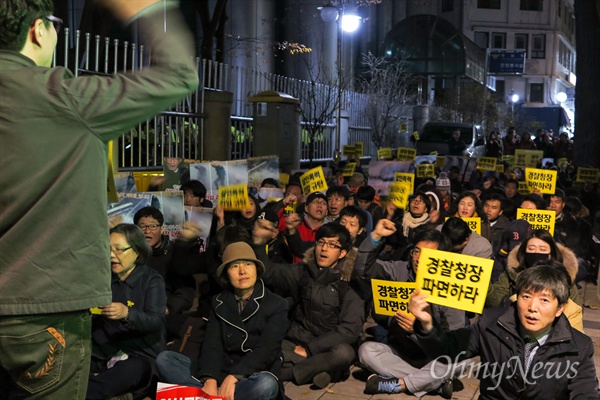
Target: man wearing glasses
pixel 53 227
pixel 329 315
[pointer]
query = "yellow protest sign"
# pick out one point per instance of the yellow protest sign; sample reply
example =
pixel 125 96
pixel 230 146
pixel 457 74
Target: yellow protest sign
pixel 416 135
pixel 290 209
pixel 454 280
pixel 359 149
pixel 406 154
pixel 523 188
pixel 486 164
pixel 562 162
pixel 425 170
pixel 234 197
pixel 528 158
pixel 399 193
pixel 348 150
pixel 384 153
pixel 439 162
pixel 510 160
pixel 391 296
pixel 538 219
pixel 587 174
pixel 313 181
pixel 284 179
pixel 96 311
pixel 403 127
pixel 500 168
pixel 542 179
pixel 474 224
pixel 406 177
pixel 349 169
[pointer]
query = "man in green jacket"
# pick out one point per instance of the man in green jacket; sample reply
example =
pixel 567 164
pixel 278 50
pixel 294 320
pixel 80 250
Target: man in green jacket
pixel 54 240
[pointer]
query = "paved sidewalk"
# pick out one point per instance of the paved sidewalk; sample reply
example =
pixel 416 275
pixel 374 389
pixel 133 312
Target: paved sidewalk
pixel 353 387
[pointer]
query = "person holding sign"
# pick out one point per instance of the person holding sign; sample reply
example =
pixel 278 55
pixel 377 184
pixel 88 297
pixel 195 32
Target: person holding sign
pixel 401 359
pixel 532 348
pixel 241 352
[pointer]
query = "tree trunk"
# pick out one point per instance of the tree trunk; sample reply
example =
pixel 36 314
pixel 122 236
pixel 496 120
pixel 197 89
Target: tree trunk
pixel 587 99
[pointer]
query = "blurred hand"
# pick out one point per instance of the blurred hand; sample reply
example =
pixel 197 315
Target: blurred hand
pixel 115 311
pixel 405 321
pixel 384 228
pixel 421 309
pixel 190 230
pixel 227 389
pixel 126 9
pixel 301 351
pixel 292 222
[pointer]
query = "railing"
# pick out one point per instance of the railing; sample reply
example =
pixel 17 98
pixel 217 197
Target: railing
pixel 179 132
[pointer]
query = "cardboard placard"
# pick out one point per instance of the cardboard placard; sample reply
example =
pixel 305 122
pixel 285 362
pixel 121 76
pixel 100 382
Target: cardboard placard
pixel 523 188
pixel 528 158
pixel 406 177
pixel 399 193
pixel 587 174
pixel 542 179
pixel 284 179
pixel 359 149
pixel 348 150
pixel 349 169
pixel 500 168
pixel 234 197
pixel 538 219
pixel 391 296
pixel 425 171
pixel 384 153
pixel 313 181
pixel 454 280
pixel 486 164
pixel 406 154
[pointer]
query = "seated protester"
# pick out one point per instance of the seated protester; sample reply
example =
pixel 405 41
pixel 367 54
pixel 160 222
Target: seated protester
pixel 270 183
pixel 538 246
pixel 580 213
pixel 194 194
pixel 527 342
pixel 337 199
pixel 366 197
pixel 329 315
pixel 356 181
pixel 444 186
pixel 353 201
pixel 419 206
pixel 266 233
pixel 241 352
pixel 495 222
pixel 533 202
pixel 128 335
pixel 402 358
pixel 490 183
pixel 437 213
pixel 354 219
pixel 513 197
pixel 512 237
pixel 465 241
pixel 244 218
pixel 467 205
pixel 174 261
pixel 306 227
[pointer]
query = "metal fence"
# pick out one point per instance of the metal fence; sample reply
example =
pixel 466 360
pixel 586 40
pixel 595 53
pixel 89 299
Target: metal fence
pixel 179 131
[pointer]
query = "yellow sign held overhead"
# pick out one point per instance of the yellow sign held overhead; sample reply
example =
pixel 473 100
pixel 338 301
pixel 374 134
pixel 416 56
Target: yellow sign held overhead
pixel 359 149
pixel 500 168
pixel 542 179
pixel 425 171
pixel 454 280
pixel 587 174
pixel 313 181
pixel 486 164
pixel 284 178
pixel 538 219
pixel 406 177
pixel 391 296
pixel 349 169
pixel 348 151
pixel 528 158
pixel 406 154
pixel 234 197
pixel 399 193
pixel 384 153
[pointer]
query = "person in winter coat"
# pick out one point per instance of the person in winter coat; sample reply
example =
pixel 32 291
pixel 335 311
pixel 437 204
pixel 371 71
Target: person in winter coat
pixel 241 352
pixel 329 314
pixel 532 348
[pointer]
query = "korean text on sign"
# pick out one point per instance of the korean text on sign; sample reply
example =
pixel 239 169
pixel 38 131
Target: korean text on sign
pixel 384 154
pixel 587 174
pixel 528 158
pixel 406 177
pixel 234 197
pixel 358 149
pixel 486 164
pixel 391 296
pixel 313 181
pixel 348 150
pixel 349 169
pixel 454 280
pixel 538 219
pixel 474 224
pixel 425 170
pixel 399 193
pixel 542 179
pixel 406 154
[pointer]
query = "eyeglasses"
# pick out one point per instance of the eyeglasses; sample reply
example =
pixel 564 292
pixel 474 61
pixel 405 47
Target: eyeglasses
pixel 329 245
pixel 57 22
pixel 150 227
pixel 319 203
pixel 118 251
pixel 417 201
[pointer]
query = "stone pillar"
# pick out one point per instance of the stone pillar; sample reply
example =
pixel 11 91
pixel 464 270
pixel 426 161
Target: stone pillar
pixel 216 136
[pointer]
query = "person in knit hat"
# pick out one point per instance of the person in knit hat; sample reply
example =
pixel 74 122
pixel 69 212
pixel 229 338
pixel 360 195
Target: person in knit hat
pixel 444 186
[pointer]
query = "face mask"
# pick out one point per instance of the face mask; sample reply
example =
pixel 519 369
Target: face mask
pixel 532 258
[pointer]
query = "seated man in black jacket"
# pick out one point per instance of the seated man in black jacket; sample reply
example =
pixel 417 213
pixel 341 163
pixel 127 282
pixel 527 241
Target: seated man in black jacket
pixel 241 352
pixel 529 345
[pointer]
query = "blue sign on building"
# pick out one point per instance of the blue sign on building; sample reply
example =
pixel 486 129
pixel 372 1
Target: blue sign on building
pixel 502 61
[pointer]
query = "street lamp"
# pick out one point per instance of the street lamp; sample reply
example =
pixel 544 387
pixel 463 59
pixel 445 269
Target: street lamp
pixel 514 98
pixel 349 22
